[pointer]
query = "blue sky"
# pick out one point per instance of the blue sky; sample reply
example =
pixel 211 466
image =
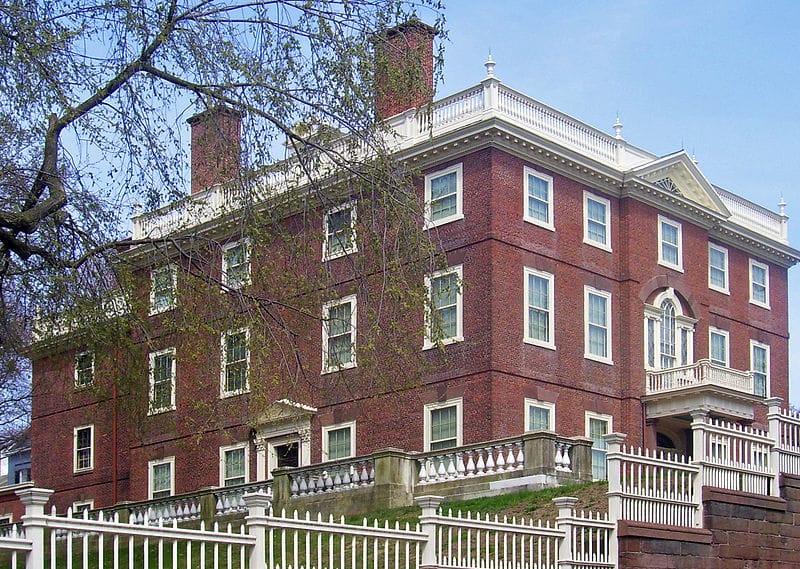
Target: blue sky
pixel 719 79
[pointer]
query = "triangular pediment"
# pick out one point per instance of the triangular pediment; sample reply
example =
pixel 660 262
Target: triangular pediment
pixel 678 174
pixel 284 412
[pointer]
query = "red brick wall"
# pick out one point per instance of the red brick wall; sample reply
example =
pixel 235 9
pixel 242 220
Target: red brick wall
pixel 493 370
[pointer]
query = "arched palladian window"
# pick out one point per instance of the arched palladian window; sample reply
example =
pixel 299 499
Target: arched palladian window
pixel 668 332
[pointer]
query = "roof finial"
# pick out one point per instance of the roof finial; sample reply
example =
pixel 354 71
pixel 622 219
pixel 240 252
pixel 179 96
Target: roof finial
pixel 489 65
pixel 618 128
pixel 782 206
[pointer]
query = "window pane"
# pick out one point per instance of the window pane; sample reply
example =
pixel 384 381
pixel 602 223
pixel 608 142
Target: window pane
pixel 236 265
pixel 596 221
pixel 84 369
pixel 538 308
pixel 760 371
pixel 717 268
pixel 162 382
pixel 340 335
pixel 339 231
pixel 668 331
pixel 598 428
pixel 234 467
pixel 443 196
pixel 444 427
pixel 444 298
pixel 339 443
pixel 236 362
pixel 538 198
pixel 539 418
pixel 598 324
pixel 719 349
pixel 758 275
pixel 162 483
pixel 669 243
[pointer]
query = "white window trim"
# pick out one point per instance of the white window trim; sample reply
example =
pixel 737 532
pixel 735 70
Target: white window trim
pixel 237 446
pixel 168 460
pixel 661 261
pixel 174 275
pixel 724 251
pixel 550 308
pixel 682 322
pixel 87 504
pixel 351 299
pixel 459 337
pixel 352 245
pixel 224 361
pixel 587 196
pixel 78 356
pixel 326 443
pixel 608 359
pixel 756 344
pixel 544 405
pixel 75 467
pixel 711 331
pixel 459 214
pixel 459 405
pixel 153 356
pixel 549 224
pixel 225 283
pixel 754 263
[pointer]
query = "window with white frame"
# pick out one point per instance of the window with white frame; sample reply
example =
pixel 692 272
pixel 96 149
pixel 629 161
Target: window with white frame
pixel 83 443
pixel 338 441
pixel 597 332
pixel 340 232
pixel 539 321
pixel 759 283
pixel 670 248
pixel 162 381
pixel 759 363
pixel 161 477
pixel 668 332
pixel 81 506
pixel 233 467
pixel 538 206
pixel 443 425
pixel 540 415
pixel 84 369
pixel 236 264
pixel 598 425
pixel 339 334
pixel 718 351
pixel 235 348
pixel 596 221
pixel 444 317
pixel 717 268
pixel 163 284
pixel 444 196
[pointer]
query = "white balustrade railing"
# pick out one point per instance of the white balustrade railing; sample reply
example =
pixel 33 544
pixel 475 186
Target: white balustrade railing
pixel 481 460
pixel 650 486
pixel 333 477
pixel 14 544
pixel 702 372
pixel 754 217
pixel 177 508
pixel 230 500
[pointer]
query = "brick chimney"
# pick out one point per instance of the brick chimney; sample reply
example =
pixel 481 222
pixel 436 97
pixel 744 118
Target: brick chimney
pixel 216 147
pixel 403 68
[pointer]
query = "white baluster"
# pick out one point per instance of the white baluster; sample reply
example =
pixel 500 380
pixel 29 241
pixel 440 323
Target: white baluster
pixel 460 465
pixel 501 461
pixel 490 460
pixel 480 468
pixel 423 471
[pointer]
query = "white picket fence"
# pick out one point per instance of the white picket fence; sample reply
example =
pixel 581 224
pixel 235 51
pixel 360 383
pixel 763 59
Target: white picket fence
pixel 45 540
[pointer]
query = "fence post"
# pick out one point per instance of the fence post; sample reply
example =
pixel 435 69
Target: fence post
pixel 614 474
pixel 427 524
pixel 699 454
pixel 774 420
pixel 34 522
pixel 566 547
pixel 258 505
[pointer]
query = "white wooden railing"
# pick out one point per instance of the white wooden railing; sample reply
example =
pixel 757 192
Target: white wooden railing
pixel 702 372
pixel 269 541
pixel 734 456
pixel 784 429
pixel 754 217
pixel 652 487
